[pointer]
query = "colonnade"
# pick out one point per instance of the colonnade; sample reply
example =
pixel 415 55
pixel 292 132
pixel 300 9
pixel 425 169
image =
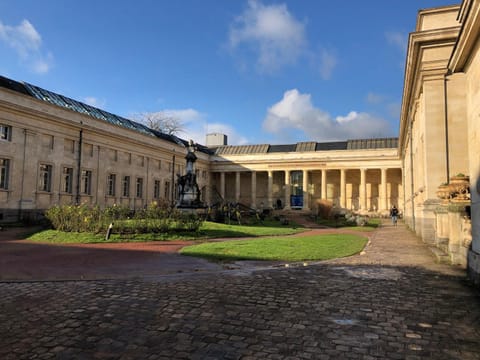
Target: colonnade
pixel 367 189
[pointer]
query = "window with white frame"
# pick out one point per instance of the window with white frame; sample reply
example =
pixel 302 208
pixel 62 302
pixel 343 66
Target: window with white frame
pixel 139 192
pixel 4 173
pixel 126 186
pixel 45 179
pixel 67 180
pixel 5 132
pixel 156 189
pixel 167 190
pixel 111 183
pixel 86 182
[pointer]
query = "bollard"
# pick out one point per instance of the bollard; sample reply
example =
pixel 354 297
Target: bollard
pixel 109 231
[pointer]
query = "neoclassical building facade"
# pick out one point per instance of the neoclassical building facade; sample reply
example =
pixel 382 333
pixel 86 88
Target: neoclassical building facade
pixel 55 150
pixel 439 138
pixel 360 175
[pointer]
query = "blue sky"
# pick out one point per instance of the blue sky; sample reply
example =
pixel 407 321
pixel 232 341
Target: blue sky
pixel 259 71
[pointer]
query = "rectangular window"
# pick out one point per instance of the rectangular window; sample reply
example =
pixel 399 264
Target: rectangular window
pixel 156 189
pixel 111 183
pixel 86 182
pixel 167 190
pixel 5 132
pixel 67 180
pixel 4 173
pixel 126 186
pixel 139 192
pixel 45 181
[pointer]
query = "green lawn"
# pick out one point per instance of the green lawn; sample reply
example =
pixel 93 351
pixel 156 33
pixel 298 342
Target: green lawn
pixel 304 248
pixel 208 230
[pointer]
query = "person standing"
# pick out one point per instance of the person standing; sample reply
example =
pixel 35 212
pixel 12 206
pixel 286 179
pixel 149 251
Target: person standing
pixel 394 215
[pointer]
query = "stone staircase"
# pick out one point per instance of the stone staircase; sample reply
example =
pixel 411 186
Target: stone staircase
pixel 301 217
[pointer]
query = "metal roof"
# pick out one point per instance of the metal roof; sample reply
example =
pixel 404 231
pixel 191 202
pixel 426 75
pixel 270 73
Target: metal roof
pixel 309 146
pixel 85 109
pixel 82 108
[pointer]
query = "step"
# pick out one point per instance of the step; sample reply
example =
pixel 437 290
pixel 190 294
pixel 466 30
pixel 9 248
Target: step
pixel 440 256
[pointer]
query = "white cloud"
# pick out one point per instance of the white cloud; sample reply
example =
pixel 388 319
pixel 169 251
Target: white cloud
pixel 327 63
pixel 185 115
pixel 234 138
pixel 295 112
pixel 198 130
pixel 271 32
pixel 373 98
pixel 397 39
pixel 195 126
pixel 93 101
pixel 27 43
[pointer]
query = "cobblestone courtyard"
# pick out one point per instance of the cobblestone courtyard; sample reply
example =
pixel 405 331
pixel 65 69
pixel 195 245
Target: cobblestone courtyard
pixel 393 302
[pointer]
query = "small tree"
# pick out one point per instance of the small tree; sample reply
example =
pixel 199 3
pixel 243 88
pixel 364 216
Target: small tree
pixel 161 121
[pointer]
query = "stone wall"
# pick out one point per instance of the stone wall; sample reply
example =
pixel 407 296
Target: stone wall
pixel 453 231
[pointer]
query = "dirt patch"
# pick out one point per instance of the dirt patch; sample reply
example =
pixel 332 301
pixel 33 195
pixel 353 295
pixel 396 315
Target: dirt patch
pixel 25 260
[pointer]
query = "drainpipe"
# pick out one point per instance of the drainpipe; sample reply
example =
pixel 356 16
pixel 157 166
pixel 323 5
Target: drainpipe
pixel 173 179
pixel 79 167
pixel 447 152
pixel 412 186
pixel 20 209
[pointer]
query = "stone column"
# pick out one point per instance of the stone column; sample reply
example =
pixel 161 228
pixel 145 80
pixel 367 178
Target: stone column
pixel 306 205
pixel 222 185
pixel 237 186
pixel 343 201
pixel 324 185
pixel 363 190
pixel 253 200
pixel 287 189
pixel 270 189
pixel 383 190
pixel 208 189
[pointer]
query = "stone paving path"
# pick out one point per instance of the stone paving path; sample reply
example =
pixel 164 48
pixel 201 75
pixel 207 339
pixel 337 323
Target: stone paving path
pixel 393 302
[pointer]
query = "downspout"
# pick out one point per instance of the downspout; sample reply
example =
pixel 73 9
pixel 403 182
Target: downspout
pixel 146 183
pixel 79 167
pixel 20 207
pixel 412 187
pixel 447 151
pixel 173 179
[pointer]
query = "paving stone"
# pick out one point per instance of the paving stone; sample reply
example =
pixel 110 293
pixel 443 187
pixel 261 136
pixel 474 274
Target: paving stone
pixel 394 302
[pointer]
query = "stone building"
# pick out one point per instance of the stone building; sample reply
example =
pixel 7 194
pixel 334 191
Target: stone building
pixel 55 150
pixel 439 135
pixel 360 175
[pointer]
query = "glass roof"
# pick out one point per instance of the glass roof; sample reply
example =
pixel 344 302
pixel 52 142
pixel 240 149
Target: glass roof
pixel 89 110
